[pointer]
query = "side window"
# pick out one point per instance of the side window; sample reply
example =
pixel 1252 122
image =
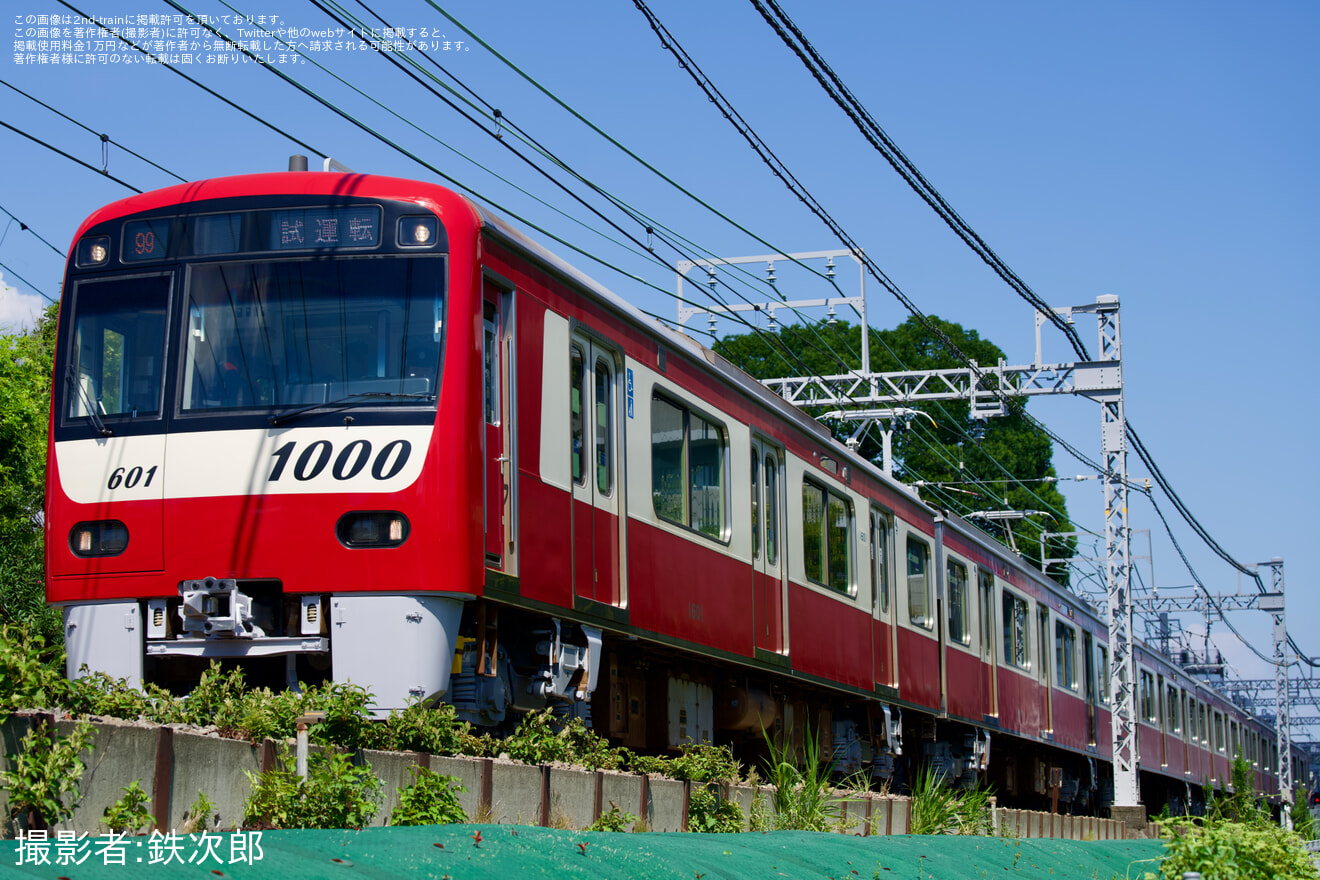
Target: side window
pixel 1065 655
pixel 918 582
pixel 576 402
pixel 1147 697
pixel 687 468
pixel 1015 631
pixel 604 427
pixel 827 537
pixel 958 629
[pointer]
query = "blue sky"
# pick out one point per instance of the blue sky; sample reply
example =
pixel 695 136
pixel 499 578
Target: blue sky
pixel 1162 152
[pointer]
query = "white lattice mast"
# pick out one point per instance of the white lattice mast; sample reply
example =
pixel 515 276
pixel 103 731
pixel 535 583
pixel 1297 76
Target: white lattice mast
pixel 1282 723
pixel 1118 556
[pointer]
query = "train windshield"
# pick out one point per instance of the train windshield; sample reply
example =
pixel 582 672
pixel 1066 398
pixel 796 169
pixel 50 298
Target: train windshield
pixel 298 333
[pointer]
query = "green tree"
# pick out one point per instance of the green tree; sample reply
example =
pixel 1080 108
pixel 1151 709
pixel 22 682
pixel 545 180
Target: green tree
pixel 1009 454
pixel 26 361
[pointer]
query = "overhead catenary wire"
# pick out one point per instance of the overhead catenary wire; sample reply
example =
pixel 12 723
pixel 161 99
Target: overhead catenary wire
pixel 28 229
pixel 105 138
pixel 838 91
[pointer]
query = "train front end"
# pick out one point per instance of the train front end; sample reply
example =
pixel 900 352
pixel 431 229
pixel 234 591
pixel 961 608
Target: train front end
pixel 263 444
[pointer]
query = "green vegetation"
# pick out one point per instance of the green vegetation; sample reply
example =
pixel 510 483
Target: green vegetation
pixel 614 820
pixel 26 365
pixel 336 794
pixel 129 814
pixel 45 769
pixel 937 808
pixel 1237 839
pixel 431 799
pixel 202 815
pixel 802 785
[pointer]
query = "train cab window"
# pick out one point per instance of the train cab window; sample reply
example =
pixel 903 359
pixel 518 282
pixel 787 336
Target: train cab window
pixel 299 333
pixel 1016 618
pixel 1149 709
pixel 827 537
pixel 687 468
pixel 604 427
pixel 918 583
pixel 957 582
pixel 116 366
pixel 1065 655
pixel 576 403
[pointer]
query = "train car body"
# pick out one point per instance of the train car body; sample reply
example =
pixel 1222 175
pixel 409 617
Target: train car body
pixel 356 427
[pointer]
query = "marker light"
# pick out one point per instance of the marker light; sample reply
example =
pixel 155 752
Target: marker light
pixel 372 528
pixel 101 538
pixel 417 232
pixel 93 251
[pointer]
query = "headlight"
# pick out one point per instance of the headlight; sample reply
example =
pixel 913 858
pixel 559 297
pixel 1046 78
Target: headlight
pixel 417 232
pixel 93 250
pixel 102 538
pixel 372 528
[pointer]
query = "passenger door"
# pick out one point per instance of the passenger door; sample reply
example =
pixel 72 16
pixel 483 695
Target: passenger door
pixel 883 598
pixel 767 547
pixel 496 356
pixel 594 450
pixel 985 590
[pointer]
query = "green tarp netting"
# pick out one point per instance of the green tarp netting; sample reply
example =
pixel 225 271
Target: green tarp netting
pixel 511 852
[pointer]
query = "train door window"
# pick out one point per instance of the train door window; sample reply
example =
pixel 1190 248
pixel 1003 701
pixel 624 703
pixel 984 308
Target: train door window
pixel 491 364
pixel 918 583
pixel 1233 738
pixel 985 582
pixel 1219 733
pixel 1088 666
pixel 687 468
pixel 756 507
pixel 1201 724
pixel 604 427
pixel 577 401
pixel 957 582
pixel 880 560
pixel 771 509
pixel 1174 721
pixel 1015 631
pixel 827 537
pixel 1065 655
pixel 1043 641
pixel 1104 674
pixel 118 347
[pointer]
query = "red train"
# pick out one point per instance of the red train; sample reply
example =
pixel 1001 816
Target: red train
pixel 337 425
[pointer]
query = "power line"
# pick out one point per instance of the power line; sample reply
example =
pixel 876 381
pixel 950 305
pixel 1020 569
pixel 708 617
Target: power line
pixel 25 228
pixel 54 149
pixel 105 138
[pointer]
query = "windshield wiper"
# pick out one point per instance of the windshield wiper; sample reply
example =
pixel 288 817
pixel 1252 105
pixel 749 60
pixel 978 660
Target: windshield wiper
pixel 90 405
pixel 362 397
